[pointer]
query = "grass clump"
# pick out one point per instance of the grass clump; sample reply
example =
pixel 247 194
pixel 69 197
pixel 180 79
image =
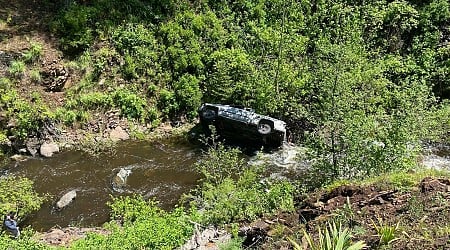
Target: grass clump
pixel 333 238
pixel 386 233
pixel 17 69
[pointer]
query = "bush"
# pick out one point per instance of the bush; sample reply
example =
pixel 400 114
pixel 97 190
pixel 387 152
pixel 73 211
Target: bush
pixel 188 94
pixel 130 104
pixel 34 53
pixel 26 241
pixel 75 27
pixel 17 69
pixel 233 191
pixel 17 194
pixel 144 226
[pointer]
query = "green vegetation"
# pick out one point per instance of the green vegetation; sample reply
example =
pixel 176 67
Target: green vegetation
pixel 367 77
pixel 233 191
pixel 143 226
pixel 334 238
pixel 386 233
pixel 361 84
pixel 17 195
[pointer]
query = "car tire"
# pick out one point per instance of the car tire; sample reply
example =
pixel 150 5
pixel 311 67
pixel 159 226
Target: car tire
pixel 265 127
pixel 209 114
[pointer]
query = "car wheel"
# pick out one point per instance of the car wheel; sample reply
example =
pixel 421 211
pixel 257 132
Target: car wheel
pixel 209 114
pixel 265 127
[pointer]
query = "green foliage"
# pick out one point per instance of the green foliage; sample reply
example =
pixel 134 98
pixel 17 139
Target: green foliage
pixel 130 104
pixel 33 53
pixel 229 80
pixel 74 26
pixel 17 69
pixel 385 232
pixel 35 76
pixel 68 117
pixel 27 241
pixel 232 191
pixel 27 116
pixel 91 100
pixel 17 194
pixel 334 238
pixel 233 244
pixel 144 226
pixel 167 103
pixel 188 95
pixel 356 80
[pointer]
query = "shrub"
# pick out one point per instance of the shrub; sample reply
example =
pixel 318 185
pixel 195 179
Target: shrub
pixel 167 102
pixel 34 53
pixel 144 226
pixel 336 238
pixel 75 28
pixel 188 94
pixel 91 101
pixel 130 104
pixel 35 76
pixel 233 191
pixel 25 241
pixel 17 69
pixel 17 194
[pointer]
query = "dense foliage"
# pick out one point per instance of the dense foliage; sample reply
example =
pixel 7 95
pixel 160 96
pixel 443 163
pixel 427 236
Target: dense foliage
pixel 361 82
pixel 17 195
pixel 233 191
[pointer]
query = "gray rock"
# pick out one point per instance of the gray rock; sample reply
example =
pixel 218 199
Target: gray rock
pixel 66 199
pixel 208 239
pixel 118 134
pixel 48 149
pixel 32 146
pixel 120 179
pixel 19 157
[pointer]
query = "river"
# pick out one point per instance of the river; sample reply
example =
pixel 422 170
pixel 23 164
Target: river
pixel 163 171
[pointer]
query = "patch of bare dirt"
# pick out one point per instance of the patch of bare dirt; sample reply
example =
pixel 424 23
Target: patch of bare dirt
pixel 65 236
pixel 23 23
pixel 421 216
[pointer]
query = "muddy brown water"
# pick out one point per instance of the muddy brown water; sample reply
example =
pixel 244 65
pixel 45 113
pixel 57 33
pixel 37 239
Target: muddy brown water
pixel 163 171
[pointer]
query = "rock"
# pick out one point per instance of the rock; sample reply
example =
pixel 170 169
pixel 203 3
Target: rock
pixel 32 146
pixel 120 179
pixel 54 76
pixel 206 239
pixel 118 134
pixel 65 236
pixel 66 199
pixel 19 157
pixel 48 149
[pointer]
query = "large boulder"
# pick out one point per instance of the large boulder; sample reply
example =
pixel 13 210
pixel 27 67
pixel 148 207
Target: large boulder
pixel 54 76
pixel 118 134
pixel 33 146
pixel 66 199
pixel 120 179
pixel 48 149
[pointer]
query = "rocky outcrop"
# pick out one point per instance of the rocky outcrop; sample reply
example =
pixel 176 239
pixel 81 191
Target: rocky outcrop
pixel 118 134
pixel 208 239
pixel 120 179
pixel 54 76
pixel 64 236
pixel 47 149
pixel 33 146
pixel 66 199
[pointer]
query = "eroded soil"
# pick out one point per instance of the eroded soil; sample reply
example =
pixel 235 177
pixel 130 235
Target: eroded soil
pixel 420 217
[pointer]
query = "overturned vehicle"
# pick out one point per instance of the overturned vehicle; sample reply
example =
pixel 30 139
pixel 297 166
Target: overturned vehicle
pixel 242 124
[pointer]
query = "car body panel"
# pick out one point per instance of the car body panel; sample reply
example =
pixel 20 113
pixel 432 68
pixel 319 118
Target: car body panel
pixel 243 124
